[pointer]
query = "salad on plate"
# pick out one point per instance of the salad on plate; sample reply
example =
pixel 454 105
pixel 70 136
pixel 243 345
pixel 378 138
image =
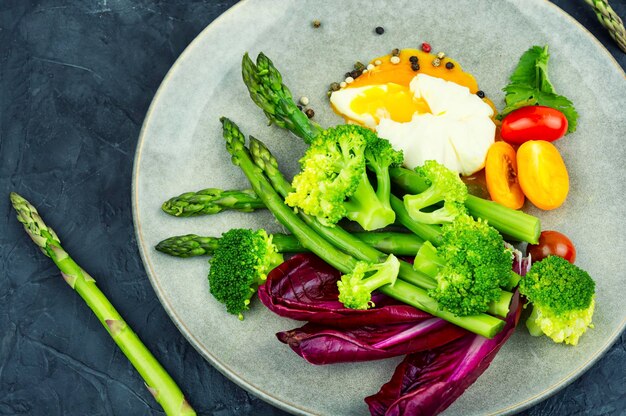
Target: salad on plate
pixel 406 234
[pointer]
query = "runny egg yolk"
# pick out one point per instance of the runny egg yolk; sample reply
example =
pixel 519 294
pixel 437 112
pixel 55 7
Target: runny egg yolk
pixel 396 102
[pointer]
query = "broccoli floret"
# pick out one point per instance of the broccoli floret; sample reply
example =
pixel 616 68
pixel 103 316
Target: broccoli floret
pixel 356 287
pixel 470 266
pixel 562 296
pixel 334 184
pixel 240 264
pixel 445 186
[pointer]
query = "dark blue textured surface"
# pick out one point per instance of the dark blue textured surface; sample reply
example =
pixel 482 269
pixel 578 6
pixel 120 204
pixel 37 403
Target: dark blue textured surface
pixel 76 78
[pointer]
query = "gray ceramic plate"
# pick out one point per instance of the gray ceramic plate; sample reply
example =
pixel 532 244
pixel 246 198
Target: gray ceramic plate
pixel 181 149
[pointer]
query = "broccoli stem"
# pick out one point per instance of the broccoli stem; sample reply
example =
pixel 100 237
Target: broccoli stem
pixel 365 208
pixel 515 224
pixel 191 245
pixel 406 292
pixel 157 380
pixel 514 279
pixel 501 306
pixel 428 261
pixel 428 232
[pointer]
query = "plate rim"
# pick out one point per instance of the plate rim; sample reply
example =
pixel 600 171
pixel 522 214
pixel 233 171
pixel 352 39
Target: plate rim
pixel 213 360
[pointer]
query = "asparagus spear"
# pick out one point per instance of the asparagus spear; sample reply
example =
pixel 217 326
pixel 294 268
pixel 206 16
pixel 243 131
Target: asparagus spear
pixel 191 245
pixel 211 201
pixel 267 90
pixel 157 380
pixel 482 324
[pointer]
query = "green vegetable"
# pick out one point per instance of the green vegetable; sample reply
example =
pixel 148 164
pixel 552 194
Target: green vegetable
pixel 266 88
pixel 333 183
pixel 352 245
pixel 445 186
pixel 158 382
pixel 483 324
pixel 562 296
pixel 530 85
pixel 513 223
pixel 470 266
pixel 356 287
pixel 240 264
pixel 211 201
pixel 191 245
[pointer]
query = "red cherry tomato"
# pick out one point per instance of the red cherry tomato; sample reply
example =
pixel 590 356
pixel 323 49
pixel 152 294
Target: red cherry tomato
pixel 552 243
pixel 533 123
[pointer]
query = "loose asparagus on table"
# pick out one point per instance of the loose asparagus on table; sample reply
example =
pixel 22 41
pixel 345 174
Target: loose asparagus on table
pixel 191 245
pixel 158 381
pixel 211 201
pixel 482 324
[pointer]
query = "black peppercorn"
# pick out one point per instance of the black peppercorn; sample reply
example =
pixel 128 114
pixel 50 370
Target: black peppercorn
pixel 356 73
pixel 449 65
pixel 415 67
pixel 334 86
pixel 395 52
pixel 300 107
pixel 359 66
pixel 309 112
pixel 413 59
pixel 379 30
pixel 480 93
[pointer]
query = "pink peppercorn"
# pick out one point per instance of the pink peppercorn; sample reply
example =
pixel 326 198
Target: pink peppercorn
pixel 426 47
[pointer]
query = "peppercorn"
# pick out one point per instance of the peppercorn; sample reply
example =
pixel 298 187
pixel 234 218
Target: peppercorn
pixel 449 65
pixel 426 47
pixel 309 112
pixel 359 66
pixel 480 93
pixel 304 100
pixel 349 80
pixel 343 84
pixel 394 60
pixel 300 107
pixel 379 30
pixel 347 74
pixel 395 52
pixel 378 62
pixel 436 62
pixel 316 23
pixel 415 66
pixel 355 74
pixel 334 86
pixel 413 59
pixel 370 67
pixel 441 55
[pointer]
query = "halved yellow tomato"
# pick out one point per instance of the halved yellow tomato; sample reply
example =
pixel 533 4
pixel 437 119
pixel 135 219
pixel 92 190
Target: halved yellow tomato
pixel 501 176
pixel 542 174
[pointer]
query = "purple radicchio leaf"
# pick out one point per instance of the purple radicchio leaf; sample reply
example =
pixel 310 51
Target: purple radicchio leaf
pixel 320 344
pixel 305 288
pixel 427 382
